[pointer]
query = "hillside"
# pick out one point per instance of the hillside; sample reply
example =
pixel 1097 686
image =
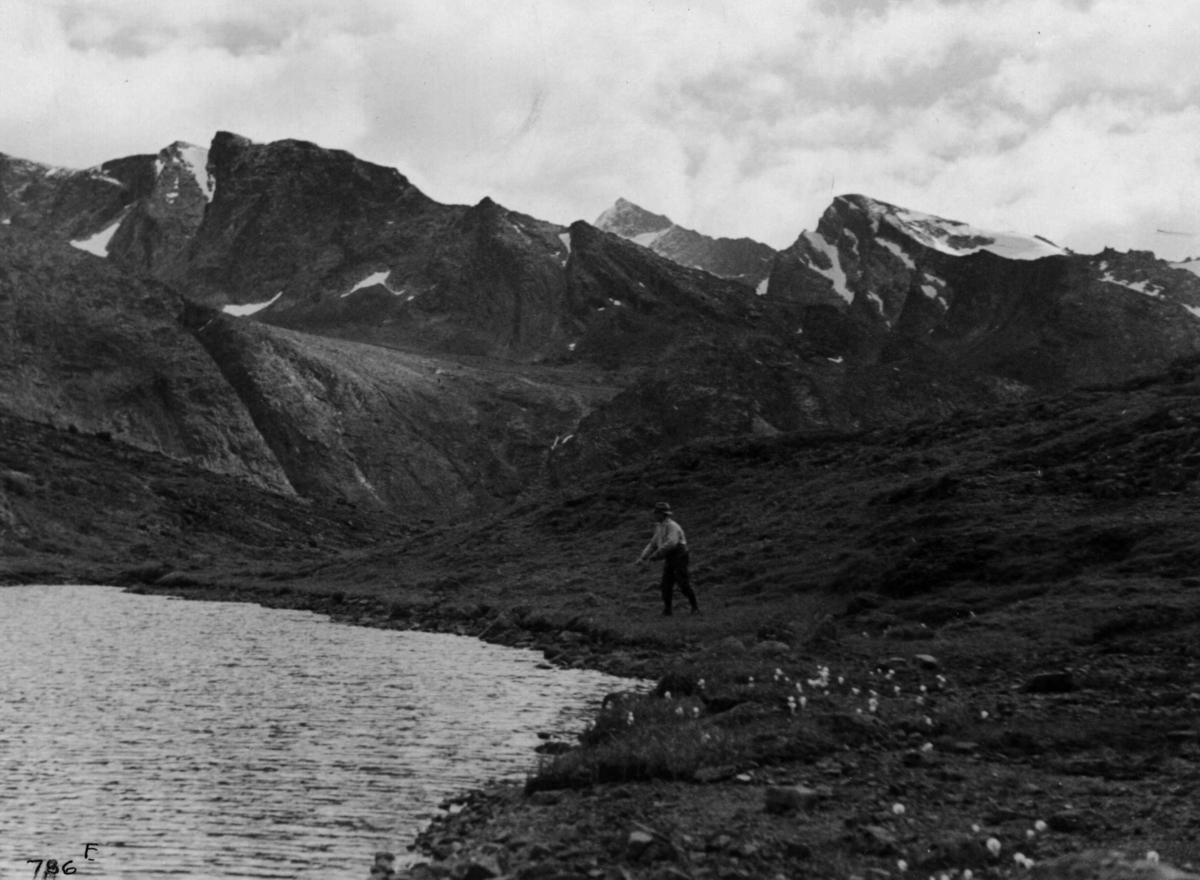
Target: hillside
pixel 314 323
pixel 1034 561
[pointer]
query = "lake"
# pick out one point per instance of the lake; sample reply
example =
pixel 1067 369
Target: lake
pixel 221 739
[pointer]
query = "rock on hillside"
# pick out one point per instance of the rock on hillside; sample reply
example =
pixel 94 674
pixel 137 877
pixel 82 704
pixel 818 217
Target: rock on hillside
pixel 1013 306
pixel 88 347
pixel 741 259
pixel 390 429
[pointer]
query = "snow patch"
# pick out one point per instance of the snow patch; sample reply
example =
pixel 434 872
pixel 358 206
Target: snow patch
pixel 249 308
pixel 1195 310
pixel 97 174
pixel 7 221
pixel 761 290
pixel 98 243
pixel 835 272
pixel 940 235
pixel 898 251
pixel 565 238
pixel 875 298
pixel 371 281
pixel 196 159
pixel 836 360
pixel 933 287
pixel 1192 266
pixel 1140 286
pixel 646 239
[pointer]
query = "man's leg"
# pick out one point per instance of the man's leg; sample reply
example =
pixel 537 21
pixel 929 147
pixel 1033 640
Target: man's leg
pixel 685 579
pixel 668 585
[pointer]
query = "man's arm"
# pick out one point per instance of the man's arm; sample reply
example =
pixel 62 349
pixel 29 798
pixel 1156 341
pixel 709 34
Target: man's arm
pixel 646 553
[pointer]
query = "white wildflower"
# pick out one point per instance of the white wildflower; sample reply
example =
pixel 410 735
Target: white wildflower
pixel 1152 857
pixel 993 846
pixel 898 809
pixel 1039 825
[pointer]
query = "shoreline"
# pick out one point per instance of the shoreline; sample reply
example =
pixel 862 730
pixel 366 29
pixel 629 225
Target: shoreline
pixel 906 758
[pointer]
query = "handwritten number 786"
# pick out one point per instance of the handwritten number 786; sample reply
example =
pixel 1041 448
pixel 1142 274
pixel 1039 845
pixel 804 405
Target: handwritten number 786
pixel 52 867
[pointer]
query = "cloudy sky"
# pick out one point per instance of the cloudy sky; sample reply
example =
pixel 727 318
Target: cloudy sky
pixel 1075 119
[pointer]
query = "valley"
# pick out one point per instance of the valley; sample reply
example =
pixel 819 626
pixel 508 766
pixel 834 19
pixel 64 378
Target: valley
pixel 955 469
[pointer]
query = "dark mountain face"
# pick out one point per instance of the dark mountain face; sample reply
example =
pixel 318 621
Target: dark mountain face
pixel 875 278
pixel 88 347
pixel 426 357
pixel 70 205
pixel 93 349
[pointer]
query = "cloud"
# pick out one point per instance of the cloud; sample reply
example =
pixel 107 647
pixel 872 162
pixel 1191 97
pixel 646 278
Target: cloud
pixel 1071 119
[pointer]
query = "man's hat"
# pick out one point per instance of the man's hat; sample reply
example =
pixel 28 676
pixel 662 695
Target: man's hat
pixel 663 508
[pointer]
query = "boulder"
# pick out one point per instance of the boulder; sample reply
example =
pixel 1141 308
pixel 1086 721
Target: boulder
pixel 772 648
pixel 482 868
pixel 790 799
pixel 646 846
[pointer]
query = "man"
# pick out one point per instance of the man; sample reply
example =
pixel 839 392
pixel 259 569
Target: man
pixel 670 545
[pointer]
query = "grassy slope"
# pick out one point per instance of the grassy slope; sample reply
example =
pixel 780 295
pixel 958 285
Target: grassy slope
pixel 1056 535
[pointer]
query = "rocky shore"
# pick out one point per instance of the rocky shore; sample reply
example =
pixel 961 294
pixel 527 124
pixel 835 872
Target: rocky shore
pixel 844 756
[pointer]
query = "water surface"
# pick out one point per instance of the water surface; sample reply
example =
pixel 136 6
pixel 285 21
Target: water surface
pixel 214 739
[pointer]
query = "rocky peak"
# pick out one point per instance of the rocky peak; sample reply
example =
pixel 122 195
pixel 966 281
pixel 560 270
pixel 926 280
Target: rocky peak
pixel 630 221
pixel 190 159
pixel 950 237
pixel 741 259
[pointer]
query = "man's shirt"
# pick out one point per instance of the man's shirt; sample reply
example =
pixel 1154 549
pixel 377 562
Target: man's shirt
pixel 667 536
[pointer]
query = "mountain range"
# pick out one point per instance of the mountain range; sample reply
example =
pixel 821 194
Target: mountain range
pixel 312 323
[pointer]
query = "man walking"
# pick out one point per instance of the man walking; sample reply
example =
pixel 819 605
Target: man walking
pixel 670 545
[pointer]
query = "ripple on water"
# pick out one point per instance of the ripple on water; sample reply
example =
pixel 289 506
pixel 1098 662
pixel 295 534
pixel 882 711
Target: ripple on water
pixel 212 739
